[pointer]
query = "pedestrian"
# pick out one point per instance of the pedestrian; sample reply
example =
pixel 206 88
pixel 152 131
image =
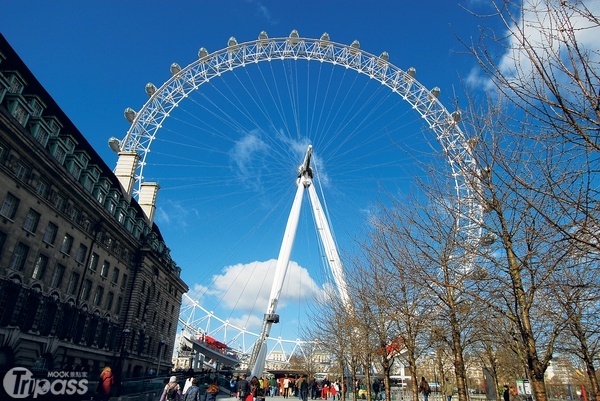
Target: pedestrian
pixel 424 388
pixel 193 392
pixel 243 388
pixel 187 384
pixel 286 387
pixel 212 391
pixel 304 385
pixel 254 388
pixel 448 389
pixel 506 394
pixel 332 391
pixel 375 388
pixel 172 391
pixel 105 383
pixel 273 386
pixel 266 387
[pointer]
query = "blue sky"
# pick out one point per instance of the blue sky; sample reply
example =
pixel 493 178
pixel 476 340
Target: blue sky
pixel 95 59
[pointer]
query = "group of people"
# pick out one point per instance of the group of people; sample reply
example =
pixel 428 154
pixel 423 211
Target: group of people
pixel 190 391
pixel 447 389
pixel 302 387
pixel 252 390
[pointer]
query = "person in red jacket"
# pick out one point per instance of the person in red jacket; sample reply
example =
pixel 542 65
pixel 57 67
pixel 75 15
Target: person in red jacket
pixel 106 382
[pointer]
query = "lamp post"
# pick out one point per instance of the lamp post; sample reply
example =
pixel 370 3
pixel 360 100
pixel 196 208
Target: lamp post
pixel 437 385
pixel 121 365
pixel 160 349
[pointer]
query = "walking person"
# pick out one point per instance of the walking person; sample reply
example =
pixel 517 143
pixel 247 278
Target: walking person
pixel 212 391
pixel 106 383
pixel 193 392
pixel 286 387
pixel 448 389
pixel 424 388
pixel 303 388
pixel 243 388
pixel 172 391
pixel 273 386
pixel 375 388
pixel 232 386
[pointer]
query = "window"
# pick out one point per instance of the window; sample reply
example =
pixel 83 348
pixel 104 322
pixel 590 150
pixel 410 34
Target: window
pixel 66 245
pixel 75 170
pixel 115 276
pixel 31 221
pixel 36 107
pixel 54 125
pixel 98 296
pixel 2 241
pixel 40 267
pixel 16 86
pixel 105 268
pixel 73 281
pixel 41 188
pixel 22 171
pixel 3 152
pixel 94 261
pixel 59 202
pixel 119 305
pixel 109 301
pixel 57 275
pixel 50 233
pixel 81 253
pixel 124 281
pixel 17 261
pixel 59 154
pixel 75 214
pixel 85 291
pixel 21 114
pixel 41 135
pixel 9 206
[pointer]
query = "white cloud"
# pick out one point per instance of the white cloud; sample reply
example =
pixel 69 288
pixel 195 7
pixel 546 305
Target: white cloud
pixel 246 157
pixel 242 291
pixel 175 213
pixel 541 25
pixel 248 286
pixel 249 322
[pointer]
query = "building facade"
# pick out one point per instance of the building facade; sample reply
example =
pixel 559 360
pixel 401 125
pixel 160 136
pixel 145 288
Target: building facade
pixel 86 279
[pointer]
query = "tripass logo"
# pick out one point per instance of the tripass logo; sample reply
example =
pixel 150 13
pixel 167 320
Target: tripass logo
pixel 20 383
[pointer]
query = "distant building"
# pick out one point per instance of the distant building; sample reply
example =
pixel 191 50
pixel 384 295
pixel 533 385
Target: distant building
pixel 560 370
pixel 86 279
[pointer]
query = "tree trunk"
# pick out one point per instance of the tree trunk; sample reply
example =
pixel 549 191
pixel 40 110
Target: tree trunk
pixel 457 350
pixel 535 369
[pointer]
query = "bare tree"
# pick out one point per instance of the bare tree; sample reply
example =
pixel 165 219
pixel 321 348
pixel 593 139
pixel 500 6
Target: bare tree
pixel 409 305
pixel 337 334
pixel 549 75
pixel 422 237
pixel 578 296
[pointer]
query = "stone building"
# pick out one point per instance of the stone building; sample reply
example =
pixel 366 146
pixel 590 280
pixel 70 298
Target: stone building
pixel 86 278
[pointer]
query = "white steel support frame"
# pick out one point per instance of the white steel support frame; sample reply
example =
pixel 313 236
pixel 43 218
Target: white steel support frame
pixel 304 182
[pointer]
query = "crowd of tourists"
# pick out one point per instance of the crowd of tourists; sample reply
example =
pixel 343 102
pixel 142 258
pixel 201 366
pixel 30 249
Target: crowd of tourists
pixel 302 387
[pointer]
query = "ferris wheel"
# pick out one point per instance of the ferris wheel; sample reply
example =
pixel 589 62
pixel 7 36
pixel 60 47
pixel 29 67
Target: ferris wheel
pixel 238 121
